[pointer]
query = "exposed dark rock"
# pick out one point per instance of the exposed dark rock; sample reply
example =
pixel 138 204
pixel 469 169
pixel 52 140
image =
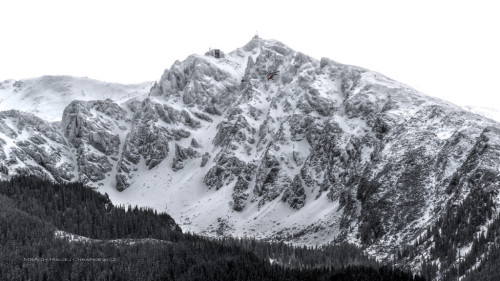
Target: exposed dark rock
pixel 182 154
pixel 204 159
pixel 295 195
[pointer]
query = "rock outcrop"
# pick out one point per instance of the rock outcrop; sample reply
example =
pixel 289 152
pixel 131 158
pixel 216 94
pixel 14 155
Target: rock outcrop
pixel 323 153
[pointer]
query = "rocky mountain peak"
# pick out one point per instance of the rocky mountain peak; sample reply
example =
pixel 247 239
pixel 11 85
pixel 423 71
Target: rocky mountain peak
pixel 321 152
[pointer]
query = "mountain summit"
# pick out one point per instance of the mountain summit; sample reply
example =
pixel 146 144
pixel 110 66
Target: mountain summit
pixel 322 153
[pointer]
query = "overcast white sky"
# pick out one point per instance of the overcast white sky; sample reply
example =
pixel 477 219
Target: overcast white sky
pixel 448 49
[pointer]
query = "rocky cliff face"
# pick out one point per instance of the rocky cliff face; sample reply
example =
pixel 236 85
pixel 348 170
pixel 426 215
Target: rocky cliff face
pixel 324 152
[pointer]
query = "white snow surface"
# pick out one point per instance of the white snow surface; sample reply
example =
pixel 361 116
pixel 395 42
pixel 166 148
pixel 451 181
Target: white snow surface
pixel 47 96
pixel 488 112
pixel 267 107
pixel 70 237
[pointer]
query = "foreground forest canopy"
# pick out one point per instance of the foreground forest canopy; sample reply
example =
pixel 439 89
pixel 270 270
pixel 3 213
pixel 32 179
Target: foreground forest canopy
pixel 52 231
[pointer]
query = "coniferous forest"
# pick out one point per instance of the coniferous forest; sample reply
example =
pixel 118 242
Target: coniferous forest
pixel 455 229
pixel 54 231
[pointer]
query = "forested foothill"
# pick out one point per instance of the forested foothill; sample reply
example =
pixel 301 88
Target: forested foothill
pixel 99 241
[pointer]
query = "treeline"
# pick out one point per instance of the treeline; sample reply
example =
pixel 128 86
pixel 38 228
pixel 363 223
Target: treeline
pixel 31 210
pixel 483 260
pixel 456 229
pixel 79 209
pixel 286 255
pixel 489 270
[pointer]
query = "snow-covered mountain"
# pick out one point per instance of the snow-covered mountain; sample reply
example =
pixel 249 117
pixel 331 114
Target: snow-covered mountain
pixel 47 96
pixel 323 153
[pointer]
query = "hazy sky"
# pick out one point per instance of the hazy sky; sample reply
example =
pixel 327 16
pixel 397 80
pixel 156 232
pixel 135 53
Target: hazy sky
pixel 448 49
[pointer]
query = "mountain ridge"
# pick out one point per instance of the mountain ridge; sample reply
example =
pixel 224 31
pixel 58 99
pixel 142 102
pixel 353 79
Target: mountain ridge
pixel 48 95
pixel 324 153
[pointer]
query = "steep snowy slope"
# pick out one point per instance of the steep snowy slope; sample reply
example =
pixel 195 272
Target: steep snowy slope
pixel 47 96
pixel 323 153
pixel 487 112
